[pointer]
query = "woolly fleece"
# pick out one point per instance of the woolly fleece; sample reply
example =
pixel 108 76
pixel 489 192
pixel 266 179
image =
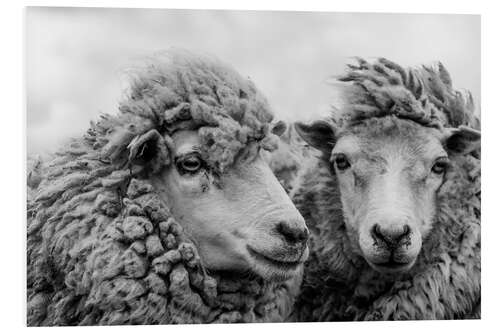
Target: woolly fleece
pixel 102 248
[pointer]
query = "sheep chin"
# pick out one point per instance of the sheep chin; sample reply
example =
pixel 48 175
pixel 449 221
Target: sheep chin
pixel 391 267
pixel 275 270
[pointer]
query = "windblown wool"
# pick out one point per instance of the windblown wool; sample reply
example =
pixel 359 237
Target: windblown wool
pixel 287 160
pixel 444 283
pixel 103 249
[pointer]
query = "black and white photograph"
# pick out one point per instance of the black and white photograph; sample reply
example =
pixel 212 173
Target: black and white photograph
pixel 222 166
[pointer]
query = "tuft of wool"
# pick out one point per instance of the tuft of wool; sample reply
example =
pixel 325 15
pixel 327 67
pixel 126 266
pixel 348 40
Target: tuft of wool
pixel 445 281
pixel 102 248
pixel 179 90
pixel 288 159
pixel 424 95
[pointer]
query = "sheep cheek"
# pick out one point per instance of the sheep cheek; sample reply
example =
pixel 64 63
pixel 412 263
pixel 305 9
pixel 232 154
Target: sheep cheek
pixel 349 201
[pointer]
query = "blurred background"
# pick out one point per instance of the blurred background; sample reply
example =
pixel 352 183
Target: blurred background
pixel 75 56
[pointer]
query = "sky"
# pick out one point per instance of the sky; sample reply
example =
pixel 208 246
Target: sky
pixel 75 57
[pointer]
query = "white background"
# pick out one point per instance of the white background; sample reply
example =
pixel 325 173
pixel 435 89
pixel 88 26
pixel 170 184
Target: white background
pixel 12 224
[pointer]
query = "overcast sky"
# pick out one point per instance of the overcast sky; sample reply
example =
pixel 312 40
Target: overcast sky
pixel 75 56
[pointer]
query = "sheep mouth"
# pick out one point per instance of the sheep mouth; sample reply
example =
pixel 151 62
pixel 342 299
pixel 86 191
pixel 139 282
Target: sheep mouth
pixel 391 266
pixel 272 262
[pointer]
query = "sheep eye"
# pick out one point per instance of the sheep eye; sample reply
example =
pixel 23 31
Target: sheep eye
pixel 191 163
pixel 440 165
pixel 341 162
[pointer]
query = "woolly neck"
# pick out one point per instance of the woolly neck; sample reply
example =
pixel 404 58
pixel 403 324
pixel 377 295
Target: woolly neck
pixel 140 269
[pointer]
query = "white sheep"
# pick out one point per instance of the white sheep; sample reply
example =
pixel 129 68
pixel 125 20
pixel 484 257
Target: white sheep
pixel 393 203
pixel 166 211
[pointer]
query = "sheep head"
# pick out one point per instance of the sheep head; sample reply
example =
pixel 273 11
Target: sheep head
pixel 390 150
pixel 199 141
pixel 241 219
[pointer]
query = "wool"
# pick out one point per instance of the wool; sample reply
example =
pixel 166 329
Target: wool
pixel 423 94
pixel 444 283
pixel 103 248
pixel 288 159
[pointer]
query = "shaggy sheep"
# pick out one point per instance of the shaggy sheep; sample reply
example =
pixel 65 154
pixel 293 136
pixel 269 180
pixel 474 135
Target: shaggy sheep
pixel 166 212
pixel 393 204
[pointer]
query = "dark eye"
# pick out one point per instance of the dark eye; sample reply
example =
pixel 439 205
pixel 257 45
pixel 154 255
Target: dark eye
pixel 440 165
pixel 189 164
pixel 341 162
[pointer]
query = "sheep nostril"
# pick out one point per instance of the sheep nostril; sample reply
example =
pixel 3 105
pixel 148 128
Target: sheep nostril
pixel 406 231
pixel 376 233
pixel 293 234
pixel 391 237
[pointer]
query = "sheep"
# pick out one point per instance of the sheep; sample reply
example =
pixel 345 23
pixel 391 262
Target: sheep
pixel 288 159
pixel 166 212
pixel 393 201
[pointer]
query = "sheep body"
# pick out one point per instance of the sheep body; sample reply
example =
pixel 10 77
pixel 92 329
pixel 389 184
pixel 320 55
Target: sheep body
pixel 103 249
pixel 445 281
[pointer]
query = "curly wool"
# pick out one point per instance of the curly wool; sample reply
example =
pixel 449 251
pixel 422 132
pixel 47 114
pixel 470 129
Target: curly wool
pixel 445 281
pixel 179 90
pixel 424 95
pixel 102 248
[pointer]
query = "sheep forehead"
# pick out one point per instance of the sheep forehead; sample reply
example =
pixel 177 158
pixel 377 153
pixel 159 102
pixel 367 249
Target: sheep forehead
pixel 185 142
pixel 348 144
pixel 188 141
pixel 393 143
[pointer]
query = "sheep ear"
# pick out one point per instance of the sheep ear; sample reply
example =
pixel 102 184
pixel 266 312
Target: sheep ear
pixel 320 135
pixel 150 149
pixel 462 140
pixel 279 128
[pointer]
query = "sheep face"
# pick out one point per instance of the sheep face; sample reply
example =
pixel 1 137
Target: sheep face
pixel 241 220
pixel 389 172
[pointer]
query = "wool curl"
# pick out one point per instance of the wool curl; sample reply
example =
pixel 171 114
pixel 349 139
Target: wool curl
pixel 382 88
pixel 103 248
pixel 445 281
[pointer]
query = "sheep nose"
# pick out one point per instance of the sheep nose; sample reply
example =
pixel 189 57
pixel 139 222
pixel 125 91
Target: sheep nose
pixel 293 233
pixel 392 237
